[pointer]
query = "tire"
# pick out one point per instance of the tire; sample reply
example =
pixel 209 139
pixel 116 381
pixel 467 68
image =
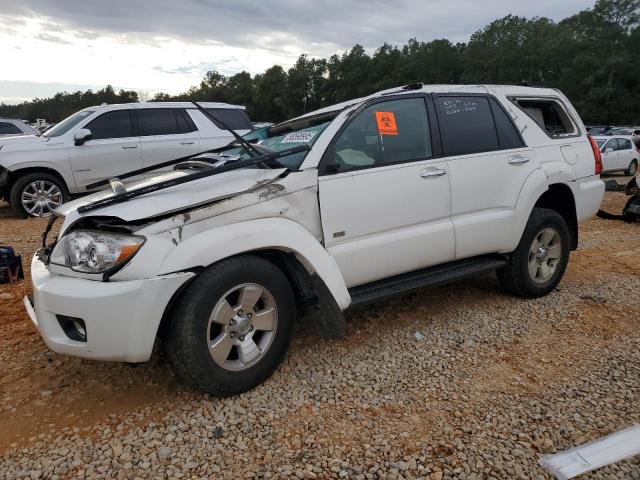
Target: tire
pixel 525 275
pixel 632 169
pixel 189 332
pixel 31 184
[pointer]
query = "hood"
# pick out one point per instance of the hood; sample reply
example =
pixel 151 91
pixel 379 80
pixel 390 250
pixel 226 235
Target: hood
pixel 21 142
pixel 187 195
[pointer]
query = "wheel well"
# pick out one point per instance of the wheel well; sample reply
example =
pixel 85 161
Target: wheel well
pixel 559 197
pixel 297 274
pixel 15 174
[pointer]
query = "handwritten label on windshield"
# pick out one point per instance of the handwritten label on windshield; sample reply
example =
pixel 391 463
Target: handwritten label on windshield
pixel 298 137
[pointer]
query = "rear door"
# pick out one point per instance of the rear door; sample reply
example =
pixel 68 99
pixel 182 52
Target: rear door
pixel 113 149
pixel 489 164
pixel 610 155
pixel 166 134
pixel 384 193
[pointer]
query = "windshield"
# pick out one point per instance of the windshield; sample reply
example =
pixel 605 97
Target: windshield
pixel 600 143
pixel 67 124
pixel 276 139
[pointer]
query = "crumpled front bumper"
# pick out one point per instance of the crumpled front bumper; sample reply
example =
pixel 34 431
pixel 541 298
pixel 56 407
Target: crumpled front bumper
pixel 121 318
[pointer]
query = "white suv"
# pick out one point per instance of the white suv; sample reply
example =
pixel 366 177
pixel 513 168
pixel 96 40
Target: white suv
pixel 360 201
pixel 39 172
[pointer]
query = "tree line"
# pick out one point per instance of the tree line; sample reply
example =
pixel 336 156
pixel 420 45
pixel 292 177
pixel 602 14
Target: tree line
pixel 592 56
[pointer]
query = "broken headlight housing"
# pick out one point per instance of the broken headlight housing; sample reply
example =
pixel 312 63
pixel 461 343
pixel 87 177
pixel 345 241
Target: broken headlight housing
pixel 90 251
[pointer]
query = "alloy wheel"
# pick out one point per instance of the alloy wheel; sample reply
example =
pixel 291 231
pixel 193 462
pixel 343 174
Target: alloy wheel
pixel 544 255
pixel 242 326
pixel 41 197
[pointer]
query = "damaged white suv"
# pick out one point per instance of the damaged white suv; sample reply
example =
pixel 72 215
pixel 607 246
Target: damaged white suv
pixel 360 201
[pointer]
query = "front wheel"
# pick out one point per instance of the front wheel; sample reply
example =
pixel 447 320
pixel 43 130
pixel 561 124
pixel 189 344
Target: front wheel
pixel 231 327
pixel 538 263
pixel 37 195
pixel 632 169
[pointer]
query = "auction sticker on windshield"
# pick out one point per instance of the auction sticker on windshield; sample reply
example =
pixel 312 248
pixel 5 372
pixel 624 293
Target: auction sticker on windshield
pixel 386 123
pixel 298 137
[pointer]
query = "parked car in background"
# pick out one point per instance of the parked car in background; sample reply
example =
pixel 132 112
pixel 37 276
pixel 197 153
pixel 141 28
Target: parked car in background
pixel 619 153
pixel 10 127
pixel 360 201
pixel 39 173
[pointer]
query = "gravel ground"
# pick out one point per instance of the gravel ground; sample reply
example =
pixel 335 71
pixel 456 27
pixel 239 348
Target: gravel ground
pixel 495 383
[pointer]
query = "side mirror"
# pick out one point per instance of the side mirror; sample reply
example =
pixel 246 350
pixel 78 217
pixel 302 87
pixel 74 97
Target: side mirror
pixel 82 136
pixel 608 150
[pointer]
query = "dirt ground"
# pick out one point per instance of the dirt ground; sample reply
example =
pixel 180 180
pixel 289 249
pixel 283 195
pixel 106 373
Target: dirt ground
pixel 43 394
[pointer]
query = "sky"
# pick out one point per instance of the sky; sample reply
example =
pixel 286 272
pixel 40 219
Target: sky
pixel 47 46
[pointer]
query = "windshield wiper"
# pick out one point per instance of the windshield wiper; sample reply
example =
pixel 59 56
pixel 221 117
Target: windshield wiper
pixel 128 195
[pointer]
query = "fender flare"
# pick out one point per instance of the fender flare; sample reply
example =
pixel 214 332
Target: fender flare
pixel 18 170
pixel 534 186
pixel 211 246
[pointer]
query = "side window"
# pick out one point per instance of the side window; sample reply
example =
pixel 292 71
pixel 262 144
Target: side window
pixel 508 136
pixel 467 125
pixel 115 124
pixel 611 144
pixel 7 128
pixel 549 114
pixel 185 123
pixel 624 144
pixel 235 118
pixel 385 133
pixel 157 121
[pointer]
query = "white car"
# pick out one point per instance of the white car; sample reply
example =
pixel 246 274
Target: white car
pixel 364 200
pixel 39 172
pixel 619 153
pixel 10 127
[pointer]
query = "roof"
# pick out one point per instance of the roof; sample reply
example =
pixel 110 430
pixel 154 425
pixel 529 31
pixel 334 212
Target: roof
pixel 137 105
pixel 515 90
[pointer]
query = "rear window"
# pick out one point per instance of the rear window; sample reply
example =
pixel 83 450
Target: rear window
pixel 549 114
pixel 234 118
pixel 7 128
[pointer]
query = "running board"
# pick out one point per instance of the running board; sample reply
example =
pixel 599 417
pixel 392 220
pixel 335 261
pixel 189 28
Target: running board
pixel 407 282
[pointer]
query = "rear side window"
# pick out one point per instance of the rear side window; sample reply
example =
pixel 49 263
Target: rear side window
pixel 467 125
pixel 115 124
pixel 624 144
pixel 234 118
pixel 549 114
pixel 508 136
pixel 157 121
pixel 7 128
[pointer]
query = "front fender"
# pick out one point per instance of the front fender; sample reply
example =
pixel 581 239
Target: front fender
pixel 211 246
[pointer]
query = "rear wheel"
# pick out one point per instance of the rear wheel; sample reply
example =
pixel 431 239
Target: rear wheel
pixel 37 195
pixel 632 169
pixel 538 263
pixel 230 329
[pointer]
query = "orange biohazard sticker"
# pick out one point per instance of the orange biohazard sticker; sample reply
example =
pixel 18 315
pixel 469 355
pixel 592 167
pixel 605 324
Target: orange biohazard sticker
pixel 386 123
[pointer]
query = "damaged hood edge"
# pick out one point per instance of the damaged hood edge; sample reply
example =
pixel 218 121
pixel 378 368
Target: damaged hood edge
pixel 180 197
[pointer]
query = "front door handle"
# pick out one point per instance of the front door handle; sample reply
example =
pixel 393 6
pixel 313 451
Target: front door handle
pixel 436 172
pixel 187 143
pixel 127 147
pixel 518 160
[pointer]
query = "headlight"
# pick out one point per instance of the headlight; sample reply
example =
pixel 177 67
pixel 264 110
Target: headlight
pixel 94 252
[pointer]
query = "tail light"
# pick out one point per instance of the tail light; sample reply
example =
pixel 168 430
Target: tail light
pixel 596 155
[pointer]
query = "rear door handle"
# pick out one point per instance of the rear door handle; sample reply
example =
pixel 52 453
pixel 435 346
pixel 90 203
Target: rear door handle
pixel 187 143
pixel 436 172
pixel 126 147
pixel 519 160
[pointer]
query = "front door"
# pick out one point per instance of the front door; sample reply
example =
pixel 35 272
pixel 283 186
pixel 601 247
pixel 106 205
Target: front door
pixel 384 199
pixel 112 150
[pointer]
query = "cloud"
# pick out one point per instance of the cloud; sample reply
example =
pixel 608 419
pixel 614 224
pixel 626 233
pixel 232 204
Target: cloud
pixel 47 37
pixel 319 27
